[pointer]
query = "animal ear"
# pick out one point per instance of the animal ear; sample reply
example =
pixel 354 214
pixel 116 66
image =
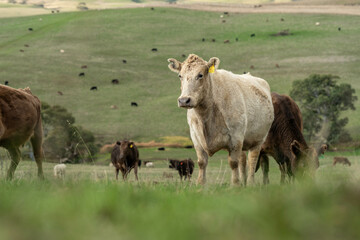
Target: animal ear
pixel 118 143
pixel 213 64
pixel 174 65
pixel 131 144
pixel 295 147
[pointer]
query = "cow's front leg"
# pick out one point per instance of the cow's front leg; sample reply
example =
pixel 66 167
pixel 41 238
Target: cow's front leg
pixel 237 160
pixel 252 160
pixel 202 162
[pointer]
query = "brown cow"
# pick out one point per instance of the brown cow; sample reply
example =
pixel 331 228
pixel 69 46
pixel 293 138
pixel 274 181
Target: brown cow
pixel 285 142
pixel 342 160
pixel 124 157
pixel 184 167
pixel 20 121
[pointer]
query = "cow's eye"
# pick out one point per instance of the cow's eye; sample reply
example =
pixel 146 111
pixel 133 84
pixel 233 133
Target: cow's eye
pixel 179 76
pixel 199 76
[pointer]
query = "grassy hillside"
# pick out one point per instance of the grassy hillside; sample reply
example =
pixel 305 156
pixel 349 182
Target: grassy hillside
pixel 102 39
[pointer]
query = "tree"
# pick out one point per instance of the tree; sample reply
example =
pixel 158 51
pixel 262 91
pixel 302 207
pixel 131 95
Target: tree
pixel 321 101
pixel 62 138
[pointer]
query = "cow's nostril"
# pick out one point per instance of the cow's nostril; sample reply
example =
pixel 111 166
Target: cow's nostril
pixel 187 101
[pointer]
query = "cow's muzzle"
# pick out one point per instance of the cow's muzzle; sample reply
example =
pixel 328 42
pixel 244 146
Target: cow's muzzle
pixel 184 102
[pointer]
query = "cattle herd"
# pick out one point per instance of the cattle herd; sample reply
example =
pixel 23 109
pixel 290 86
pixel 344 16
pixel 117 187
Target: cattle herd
pixel 237 113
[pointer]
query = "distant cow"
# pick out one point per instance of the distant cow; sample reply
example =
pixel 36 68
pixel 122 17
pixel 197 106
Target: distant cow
pixel 154 49
pixel 93 88
pixel 115 81
pixel 82 74
pixel 113 107
pixel 286 144
pixel 213 40
pixel 134 104
pixel 224 111
pixel 30 29
pixel 124 157
pixel 124 61
pixel 59 170
pixel 84 66
pixel 161 149
pixel 252 35
pixel 184 167
pixel 20 121
pixel 341 160
pixel 149 164
pixel 227 41
pixel 26 45
pixel 203 39
pixel 60 93
pixel 6 83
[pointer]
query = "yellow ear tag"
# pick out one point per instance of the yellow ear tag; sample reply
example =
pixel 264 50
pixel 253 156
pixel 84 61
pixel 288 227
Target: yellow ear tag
pixel 212 69
pixel 131 146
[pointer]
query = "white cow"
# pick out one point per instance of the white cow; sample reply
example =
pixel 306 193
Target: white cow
pixel 59 170
pixel 224 111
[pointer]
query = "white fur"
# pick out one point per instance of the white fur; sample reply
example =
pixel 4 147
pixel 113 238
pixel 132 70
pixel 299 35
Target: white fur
pixel 59 170
pixel 149 165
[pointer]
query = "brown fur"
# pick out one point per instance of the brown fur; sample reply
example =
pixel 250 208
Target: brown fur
pixel 285 141
pixel 124 157
pixel 184 167
pixel 341 160
pixel 20 121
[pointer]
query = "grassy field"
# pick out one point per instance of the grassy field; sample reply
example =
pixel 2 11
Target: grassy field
pixel 102 39
pixel 90 204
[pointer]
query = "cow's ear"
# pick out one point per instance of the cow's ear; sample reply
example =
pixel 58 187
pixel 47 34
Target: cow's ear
pixel 213 64
pixel 174 65
pixel 295 148
pixel 131 144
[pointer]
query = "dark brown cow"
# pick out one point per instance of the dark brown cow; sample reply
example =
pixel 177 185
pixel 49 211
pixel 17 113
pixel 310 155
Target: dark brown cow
pixel 286 144
pixel 342 160
pixel 124 157
pixel 184 167
pixel 20 121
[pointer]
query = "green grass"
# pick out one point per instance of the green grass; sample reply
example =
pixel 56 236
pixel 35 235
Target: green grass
pixel 90 204
pixel 102 39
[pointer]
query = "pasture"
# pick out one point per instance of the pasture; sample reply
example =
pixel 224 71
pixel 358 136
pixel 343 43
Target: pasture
pixel 103 39
pixel 90 204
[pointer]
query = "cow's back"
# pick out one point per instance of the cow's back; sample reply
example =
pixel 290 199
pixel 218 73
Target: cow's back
pixel 19 114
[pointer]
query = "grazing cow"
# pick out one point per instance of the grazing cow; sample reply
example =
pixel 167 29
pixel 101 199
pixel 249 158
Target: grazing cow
pixel 20 121
pixel 227 41
pixel 286 144
pixel 26 45
pixel 184 167
pixel 134 104
pixel 124 61
pixel 21 50
pixel 224 111
pixel 203 39
pixel 93 88
pixel 124 157
pixel 342 160
pixel 84 66
pixel 213 40
pixel 154 49
pixel 339 29
pixel 252 67
pixel 82 74
pixel 115 81
pixel 237 39
pixel 161 149
pixel 59 170
pixel 252 35
pixel 277 65
pixel 113 107
pixel 30 29
pixel 6 83
pixel 183 55
pixel 223 21
pixel 282 19
pixel 60 93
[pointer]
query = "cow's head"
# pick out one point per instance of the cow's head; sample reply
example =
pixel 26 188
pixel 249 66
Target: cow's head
pixel 194 75
pixel 126 147
pixel 305 159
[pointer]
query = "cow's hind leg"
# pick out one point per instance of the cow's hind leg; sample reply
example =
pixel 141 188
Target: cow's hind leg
pixel 264 162
pixel 36 142
pixel 233 159
pixel 253 157
pixel 202 162
pixel 15 159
